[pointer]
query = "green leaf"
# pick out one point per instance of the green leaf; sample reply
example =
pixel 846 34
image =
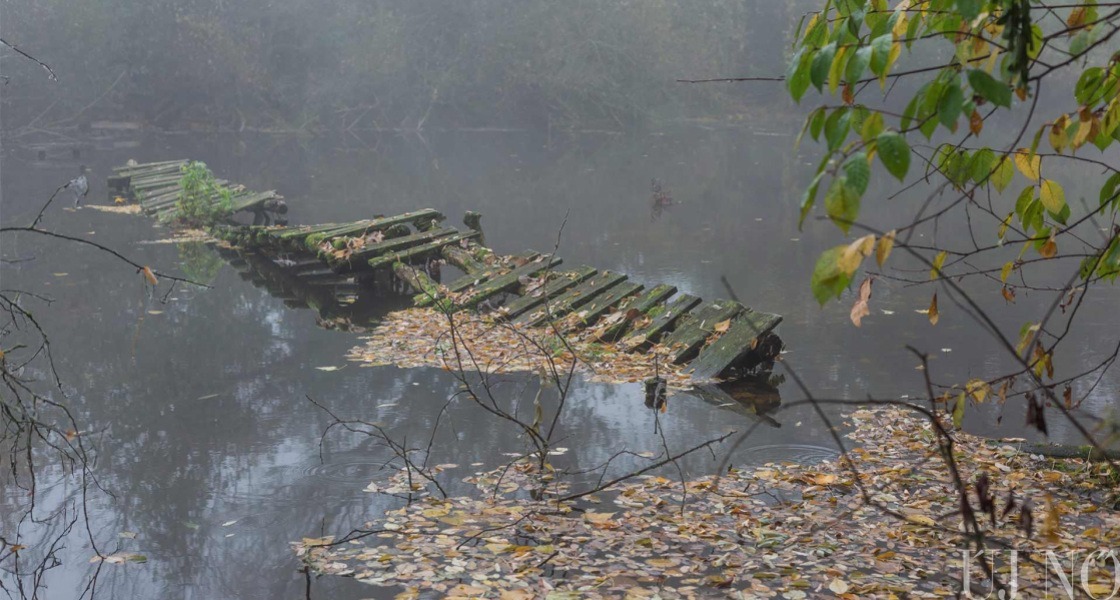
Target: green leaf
pixel 809 198
pixel 1110 192
pixel 958 411
pixel 989 88
pixel 880 53
pixel 857 64
pixel 1002 174
pixel 822 61
pixel 949 107
pixel 797 77
pixel 828 280
pixel 982 163
pixel 841 203
pixel 857 172
pixel 836 128
pixel 872 126
pixel 816 124
pixel 895 153
pixel 1089 86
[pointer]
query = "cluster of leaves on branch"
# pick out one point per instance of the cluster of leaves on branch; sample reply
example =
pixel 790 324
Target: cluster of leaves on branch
pixel 851 44
pixel 971 59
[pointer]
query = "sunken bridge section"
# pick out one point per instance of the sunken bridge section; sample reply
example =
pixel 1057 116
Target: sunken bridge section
pixel 712 338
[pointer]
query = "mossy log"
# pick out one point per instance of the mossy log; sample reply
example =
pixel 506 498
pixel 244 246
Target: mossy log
pixel 360 257
pixel 425 286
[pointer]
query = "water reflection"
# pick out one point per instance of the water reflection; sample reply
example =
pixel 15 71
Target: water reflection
pixel 200 395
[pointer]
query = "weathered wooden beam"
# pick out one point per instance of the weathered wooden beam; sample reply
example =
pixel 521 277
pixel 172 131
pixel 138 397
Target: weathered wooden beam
pixel 499 267
pixel 663 319
pixel 505 282
pixel 686 340
pixel 589 313
pixel 732 345
pixel 615 325
pixel 143 167
pixel 355 229
pixel 571 299
pixel 425 286
pixel 370 251
pixel 463 259
pixel 415 252
pixel 560 282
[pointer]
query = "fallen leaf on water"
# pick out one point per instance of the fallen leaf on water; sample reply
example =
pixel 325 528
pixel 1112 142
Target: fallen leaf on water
pixel 722 326
pixel 328 368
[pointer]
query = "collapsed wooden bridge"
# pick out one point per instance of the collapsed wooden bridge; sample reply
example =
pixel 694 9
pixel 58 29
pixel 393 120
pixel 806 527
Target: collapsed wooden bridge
pixel 714 339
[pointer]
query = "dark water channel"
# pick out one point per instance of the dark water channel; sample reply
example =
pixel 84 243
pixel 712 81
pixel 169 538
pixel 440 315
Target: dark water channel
pixel 197 406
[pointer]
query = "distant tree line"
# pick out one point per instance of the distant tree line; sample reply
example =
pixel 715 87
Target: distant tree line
pixel 405 64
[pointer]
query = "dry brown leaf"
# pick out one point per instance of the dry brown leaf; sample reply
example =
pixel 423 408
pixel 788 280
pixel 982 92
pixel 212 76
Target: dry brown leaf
pixel 859 308
pixel 934 316
pixel 150 276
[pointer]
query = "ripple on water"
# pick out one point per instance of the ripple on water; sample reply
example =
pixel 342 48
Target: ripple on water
pixel 796 453
pixel 357 471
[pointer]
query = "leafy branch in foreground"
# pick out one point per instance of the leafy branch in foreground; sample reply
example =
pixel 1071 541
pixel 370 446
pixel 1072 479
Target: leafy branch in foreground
pixel 974 60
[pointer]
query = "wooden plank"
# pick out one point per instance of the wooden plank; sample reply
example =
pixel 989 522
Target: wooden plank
pixel 500 267
pixel 355 229
pixel 464 259
pixel 424 285
pixel 423 251
pixel 142 167
pixel 589 313
pixel 571 299
pixel 614 326
pixel 467 281
pixel 686 340
pixel 370 251
pixel 732 345
pixel 662 321
pixel 560 282
pixel 252 200
pixel 380 223
pixel 505 282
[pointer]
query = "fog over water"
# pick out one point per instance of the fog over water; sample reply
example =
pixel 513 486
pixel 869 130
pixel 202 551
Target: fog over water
pixel 532 113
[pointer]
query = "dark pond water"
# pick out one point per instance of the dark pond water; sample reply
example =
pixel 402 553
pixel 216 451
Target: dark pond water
pixel 197 408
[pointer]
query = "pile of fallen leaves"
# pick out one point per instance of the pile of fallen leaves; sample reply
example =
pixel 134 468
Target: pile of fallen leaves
pixel 422 337
pixel 779 530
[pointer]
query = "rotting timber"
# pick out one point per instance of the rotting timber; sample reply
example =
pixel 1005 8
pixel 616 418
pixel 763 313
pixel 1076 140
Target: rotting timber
pixel 712 339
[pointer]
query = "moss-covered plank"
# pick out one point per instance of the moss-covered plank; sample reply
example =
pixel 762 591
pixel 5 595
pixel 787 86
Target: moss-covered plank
pixel 355 229
pixel 149 167
pixel 377 224
pixel 589 313
pixel 614 326
pixel 417 252
pixel 732 345
pixel 686 340
pixel 396 244
pixel 571 299
pixel 479 277
pixel 560 282
pixel 662 319
pixel 464 259
pixel 424 285
pixel 505 282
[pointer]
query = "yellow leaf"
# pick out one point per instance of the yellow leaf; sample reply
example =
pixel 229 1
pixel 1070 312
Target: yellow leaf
pixel 934 316
pixel 836 70
pixel 1029 164
pixel 884 247
pixel 597 517
pixel 921 520
pixel 938 262
pixel 1006 271
pixel 1003 226
pixel 837 586
pixel 1052 196
pixel 854 253
pixel 1058 138
pixel 978 389
pixel 722 326
pixel 150 276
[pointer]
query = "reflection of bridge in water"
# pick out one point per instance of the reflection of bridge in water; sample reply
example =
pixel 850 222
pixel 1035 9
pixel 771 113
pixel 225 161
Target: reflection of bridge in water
pixel 331 267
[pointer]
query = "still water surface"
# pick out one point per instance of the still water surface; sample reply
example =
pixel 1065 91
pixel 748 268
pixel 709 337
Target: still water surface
pixel 201 426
